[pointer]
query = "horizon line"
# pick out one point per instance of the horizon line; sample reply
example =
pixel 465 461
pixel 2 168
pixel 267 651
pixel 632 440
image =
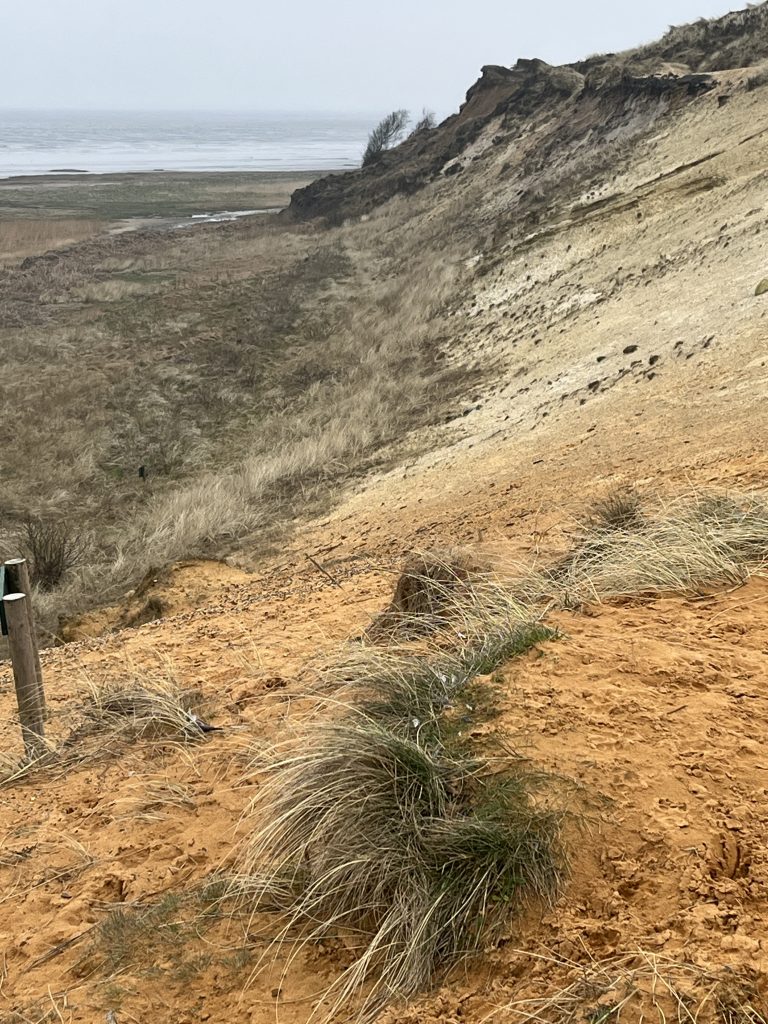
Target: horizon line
pixel 349 111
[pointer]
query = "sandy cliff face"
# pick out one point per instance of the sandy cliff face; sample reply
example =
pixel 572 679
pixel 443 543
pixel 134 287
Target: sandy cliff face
pixel 607 235
pixel 531 95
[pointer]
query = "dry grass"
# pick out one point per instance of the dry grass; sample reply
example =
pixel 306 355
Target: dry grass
pixel 48 1012
pixel 107 716
pixel 411 693
pixel 688 545
pixel 736 40
pixel 115 290
pixel 144 707
pixel 452 595
pixel 641 985
pixel 251 372
pixel 759 77
pixel 385 827
pixel 127 935
pixel 448 623
pixel 155 798
pixel 419 854
pixel 27 237
pixel 16 769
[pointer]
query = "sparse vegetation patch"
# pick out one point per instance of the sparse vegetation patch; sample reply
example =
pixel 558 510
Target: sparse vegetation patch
pixel 146 707
pixel 388 827
pixel 689 544
pixel 642 984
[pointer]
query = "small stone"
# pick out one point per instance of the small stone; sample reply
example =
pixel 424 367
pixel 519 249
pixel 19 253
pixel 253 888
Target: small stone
pixel 762 288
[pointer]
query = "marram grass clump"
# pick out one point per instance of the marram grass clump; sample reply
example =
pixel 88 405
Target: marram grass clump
pixel 386 827
pixel 407 691
pixel 688 545
pixel 422 850
pixel 150 706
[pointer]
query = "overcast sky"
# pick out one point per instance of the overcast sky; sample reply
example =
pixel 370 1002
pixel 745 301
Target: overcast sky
pixel 300 54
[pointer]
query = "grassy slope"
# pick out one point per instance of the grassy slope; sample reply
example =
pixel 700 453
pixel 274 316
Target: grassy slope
pixel 249 368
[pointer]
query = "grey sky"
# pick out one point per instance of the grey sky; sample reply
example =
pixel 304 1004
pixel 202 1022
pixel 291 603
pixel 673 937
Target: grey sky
pixel 300 54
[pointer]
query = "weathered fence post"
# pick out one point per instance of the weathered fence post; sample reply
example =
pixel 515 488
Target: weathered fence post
pixel 17 575
pixel 23 657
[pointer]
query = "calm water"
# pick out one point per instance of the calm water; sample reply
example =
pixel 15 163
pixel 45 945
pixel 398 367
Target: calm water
pixel 37 142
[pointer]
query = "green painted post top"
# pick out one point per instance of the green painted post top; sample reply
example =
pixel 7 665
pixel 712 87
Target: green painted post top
pixel 4 589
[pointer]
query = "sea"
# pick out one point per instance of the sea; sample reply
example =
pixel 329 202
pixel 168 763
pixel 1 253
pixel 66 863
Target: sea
pixel 99 142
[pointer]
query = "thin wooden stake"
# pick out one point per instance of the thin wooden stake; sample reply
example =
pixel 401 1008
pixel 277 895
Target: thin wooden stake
pixel 17 572
pixel 325 572
pixel 22 647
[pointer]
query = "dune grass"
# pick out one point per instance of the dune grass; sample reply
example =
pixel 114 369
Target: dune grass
pixel 418 852
pixel 153 705
pixel 386 827
pixel 690 544
pixel 640 984
pixel 106 716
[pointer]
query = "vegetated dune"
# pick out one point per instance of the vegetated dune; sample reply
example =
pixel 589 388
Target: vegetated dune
pixel 488 352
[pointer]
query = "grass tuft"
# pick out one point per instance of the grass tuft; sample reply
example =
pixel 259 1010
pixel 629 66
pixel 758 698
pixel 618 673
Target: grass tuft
pixel 419 851
pixel 152 707
pixel 688 545
pixel 639 985
pixel 620 509
pixel 129 935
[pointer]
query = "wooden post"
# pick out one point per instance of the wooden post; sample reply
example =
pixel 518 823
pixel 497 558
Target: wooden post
pixel 17 572
pixel 22 647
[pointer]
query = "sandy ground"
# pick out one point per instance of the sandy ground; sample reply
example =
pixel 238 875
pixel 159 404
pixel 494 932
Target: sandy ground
pixel 656 709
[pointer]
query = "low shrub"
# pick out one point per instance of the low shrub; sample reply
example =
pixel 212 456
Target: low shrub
pixel 53 549
pixel 426 122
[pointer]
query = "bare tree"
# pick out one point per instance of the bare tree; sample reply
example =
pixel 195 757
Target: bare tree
pixel 426 122
pixel 387 133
